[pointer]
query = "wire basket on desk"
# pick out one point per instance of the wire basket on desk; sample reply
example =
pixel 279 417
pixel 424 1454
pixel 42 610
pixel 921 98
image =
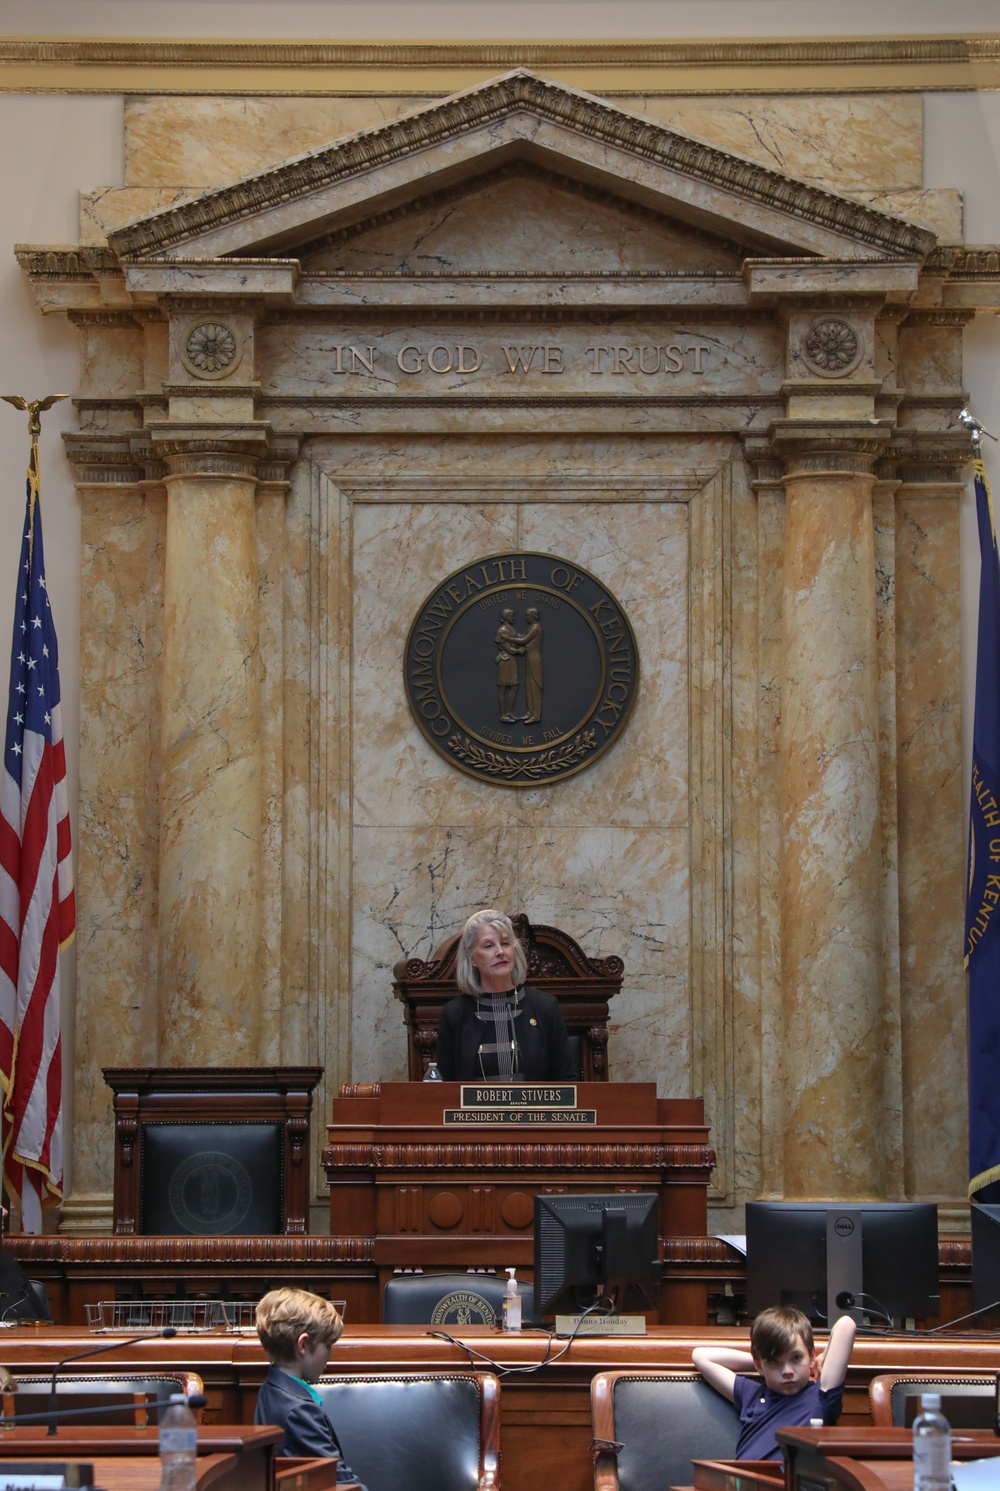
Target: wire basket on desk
pixel 217 1316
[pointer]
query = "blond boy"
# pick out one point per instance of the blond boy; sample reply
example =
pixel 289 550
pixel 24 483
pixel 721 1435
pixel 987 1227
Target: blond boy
pixel 298 1330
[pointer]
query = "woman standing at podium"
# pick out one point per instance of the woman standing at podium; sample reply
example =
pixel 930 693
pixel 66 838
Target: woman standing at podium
pixel 500 1029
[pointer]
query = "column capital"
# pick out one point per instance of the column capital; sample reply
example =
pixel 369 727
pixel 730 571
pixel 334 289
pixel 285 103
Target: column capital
pixel 224 451
pixel 765 465
pixel 104 459
pixel 817 448
pixel 928 458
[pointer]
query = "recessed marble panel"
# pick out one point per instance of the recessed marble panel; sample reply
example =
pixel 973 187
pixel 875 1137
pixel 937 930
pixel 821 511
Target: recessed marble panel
pixel 527 223
pixel 624 891
pixel 401 551
pixel 111 360
pixel 110 206
pixel 846 142
pixel 937 208
pixel 412 888
pixel 639 549
pixel 204 142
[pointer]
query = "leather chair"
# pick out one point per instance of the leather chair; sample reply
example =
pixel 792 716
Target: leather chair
pixel 101 1398
pixel 450 1299
pixel 967 1402
pixel 424 1431
pixel 649 1426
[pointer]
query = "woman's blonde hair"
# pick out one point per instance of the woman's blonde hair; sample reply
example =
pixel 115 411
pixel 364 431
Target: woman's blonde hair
pixel 466 972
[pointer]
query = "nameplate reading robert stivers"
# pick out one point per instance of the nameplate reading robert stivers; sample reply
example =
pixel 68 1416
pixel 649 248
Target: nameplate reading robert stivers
pixel 522 1103
pixel 521 669
pixel 518 1095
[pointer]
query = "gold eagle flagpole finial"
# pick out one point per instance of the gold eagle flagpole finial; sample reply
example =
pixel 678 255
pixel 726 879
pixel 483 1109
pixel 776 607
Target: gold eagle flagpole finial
pixel 35 409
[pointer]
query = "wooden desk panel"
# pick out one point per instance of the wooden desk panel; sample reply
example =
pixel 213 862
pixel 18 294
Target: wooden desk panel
pixel 230 1457
pixel 436 1196
pixel 78 1271
pixel 545 1415
pixel 868 1459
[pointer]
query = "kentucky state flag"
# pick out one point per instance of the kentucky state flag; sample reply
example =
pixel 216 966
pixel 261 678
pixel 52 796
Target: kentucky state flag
pixel 982 907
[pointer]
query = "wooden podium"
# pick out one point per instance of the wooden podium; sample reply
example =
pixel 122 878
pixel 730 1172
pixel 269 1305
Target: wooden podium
pixel 437 1193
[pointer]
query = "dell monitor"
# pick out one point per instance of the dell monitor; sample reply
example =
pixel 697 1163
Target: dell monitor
pixel 868 1258
pixel 587 1247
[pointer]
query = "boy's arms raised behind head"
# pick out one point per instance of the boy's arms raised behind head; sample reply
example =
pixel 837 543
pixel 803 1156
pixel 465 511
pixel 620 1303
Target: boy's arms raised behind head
pixel 835 1359
pixel 719 1365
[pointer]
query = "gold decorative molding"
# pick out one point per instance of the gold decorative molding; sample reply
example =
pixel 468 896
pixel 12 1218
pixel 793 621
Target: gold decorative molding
pixel 803 65
pixel 487 105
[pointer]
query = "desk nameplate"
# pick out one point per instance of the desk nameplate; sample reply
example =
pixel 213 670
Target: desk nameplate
pixel 521 1117
pixel 518 1095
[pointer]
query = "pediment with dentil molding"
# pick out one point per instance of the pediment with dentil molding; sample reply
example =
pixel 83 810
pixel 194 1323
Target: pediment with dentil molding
pixel 519 168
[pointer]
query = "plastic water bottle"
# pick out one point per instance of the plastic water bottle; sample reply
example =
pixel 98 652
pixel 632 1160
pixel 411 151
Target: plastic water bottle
pixel 178 1445
pixel 432 1074
pixel 931 1446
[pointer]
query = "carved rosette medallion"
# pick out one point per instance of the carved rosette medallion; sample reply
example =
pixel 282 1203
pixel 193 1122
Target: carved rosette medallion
pixel 211 350
pixel 831 347
pixel 521 669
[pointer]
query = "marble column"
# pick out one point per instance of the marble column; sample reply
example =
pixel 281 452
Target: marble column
pixel 830 890
pixel 210 770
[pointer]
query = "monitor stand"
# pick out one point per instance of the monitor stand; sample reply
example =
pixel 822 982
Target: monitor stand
pixel 844 1270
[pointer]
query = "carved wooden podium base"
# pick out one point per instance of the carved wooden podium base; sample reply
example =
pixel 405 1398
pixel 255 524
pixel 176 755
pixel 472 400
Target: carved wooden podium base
pixel 438 1196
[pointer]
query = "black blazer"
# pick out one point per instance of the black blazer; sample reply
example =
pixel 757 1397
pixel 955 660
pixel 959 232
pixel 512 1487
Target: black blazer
pixel 286 1401
pixel 545 1054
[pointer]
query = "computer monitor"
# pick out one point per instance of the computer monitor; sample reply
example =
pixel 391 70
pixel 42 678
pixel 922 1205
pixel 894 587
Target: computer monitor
pixel 878 1259
pixel 589 1246
pixel 985 1258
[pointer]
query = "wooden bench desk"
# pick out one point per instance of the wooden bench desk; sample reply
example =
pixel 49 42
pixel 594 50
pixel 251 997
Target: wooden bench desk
pixel 544 1415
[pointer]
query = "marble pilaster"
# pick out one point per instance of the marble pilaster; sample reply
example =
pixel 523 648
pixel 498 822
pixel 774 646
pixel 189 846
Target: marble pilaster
pixel 210 778
pixel 122 514
pixel 831 935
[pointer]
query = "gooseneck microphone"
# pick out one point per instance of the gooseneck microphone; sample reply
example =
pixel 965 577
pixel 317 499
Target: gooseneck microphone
pixel 166 1332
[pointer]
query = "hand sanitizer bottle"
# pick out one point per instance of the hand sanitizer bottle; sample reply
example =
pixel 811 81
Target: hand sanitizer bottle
pixel 511 1304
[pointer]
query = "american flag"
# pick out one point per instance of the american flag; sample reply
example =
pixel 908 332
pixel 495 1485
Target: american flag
pixel 37 913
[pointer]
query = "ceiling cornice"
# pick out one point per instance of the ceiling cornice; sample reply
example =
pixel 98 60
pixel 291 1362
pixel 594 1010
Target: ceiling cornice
pixel 848 64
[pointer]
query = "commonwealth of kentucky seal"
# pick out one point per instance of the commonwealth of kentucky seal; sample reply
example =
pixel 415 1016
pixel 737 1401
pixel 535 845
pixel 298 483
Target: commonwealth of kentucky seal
pixel 521 669
pixel 210 1193
pixel 463 1307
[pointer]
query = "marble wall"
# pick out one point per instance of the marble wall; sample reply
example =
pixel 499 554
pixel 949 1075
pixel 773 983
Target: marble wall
pixel 673 850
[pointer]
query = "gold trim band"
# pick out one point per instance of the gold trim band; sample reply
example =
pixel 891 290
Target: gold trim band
pixel 870 64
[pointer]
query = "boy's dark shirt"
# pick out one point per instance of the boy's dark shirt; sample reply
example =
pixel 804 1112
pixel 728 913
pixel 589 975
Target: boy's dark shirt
pixel 289 1402
pixel 762 1412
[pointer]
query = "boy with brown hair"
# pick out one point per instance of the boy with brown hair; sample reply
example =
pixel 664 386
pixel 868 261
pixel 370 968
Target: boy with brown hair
pixel 798 1384
pixel 297 1330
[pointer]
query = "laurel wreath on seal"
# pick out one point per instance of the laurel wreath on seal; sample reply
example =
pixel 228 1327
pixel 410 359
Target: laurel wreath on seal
pixel 538 765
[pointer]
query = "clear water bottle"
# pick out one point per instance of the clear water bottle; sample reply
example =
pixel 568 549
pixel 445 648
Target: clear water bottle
pixel 178 1445
pixel 432 1074
pixel 931 1446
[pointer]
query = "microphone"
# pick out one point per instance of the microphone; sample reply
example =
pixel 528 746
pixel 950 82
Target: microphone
pixel 15 1302
pixel 166 1332
pixel 195 1401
